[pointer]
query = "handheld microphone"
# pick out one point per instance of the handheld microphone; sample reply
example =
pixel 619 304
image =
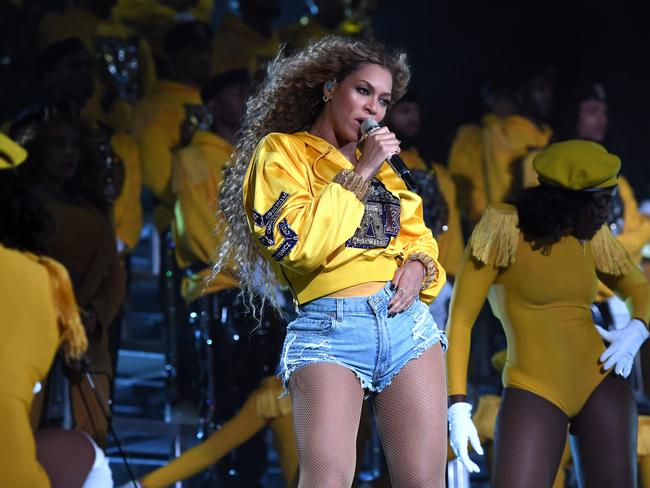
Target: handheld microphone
pixel 370 125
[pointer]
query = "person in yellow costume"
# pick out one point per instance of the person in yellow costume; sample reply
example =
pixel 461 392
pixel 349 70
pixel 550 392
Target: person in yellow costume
pixel 158 117
pixel 66 78
pixel 539 263
pixel 247 41
pixel 485 160
pixel 153 18
pixel 337 225
pixel 39 315
pixel 124 67
pixel 196 178
pixel 68 182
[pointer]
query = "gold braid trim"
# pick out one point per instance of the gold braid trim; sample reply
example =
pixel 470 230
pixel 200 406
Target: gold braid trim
pixel 609 254
pixel 353 182
pixel 269 403
pixel 496 236
pixel 73 334
pixel 429 265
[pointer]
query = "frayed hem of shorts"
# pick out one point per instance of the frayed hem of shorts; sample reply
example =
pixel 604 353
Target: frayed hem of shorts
pixel 284 376
pixel 420 351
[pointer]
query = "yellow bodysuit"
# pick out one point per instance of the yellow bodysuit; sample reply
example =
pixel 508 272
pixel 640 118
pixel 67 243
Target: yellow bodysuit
pixel 543 300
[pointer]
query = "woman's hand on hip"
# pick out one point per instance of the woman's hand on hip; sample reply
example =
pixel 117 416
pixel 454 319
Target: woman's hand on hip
pixel 406 282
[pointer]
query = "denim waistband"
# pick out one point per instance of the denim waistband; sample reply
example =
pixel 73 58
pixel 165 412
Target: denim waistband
pixel 352 304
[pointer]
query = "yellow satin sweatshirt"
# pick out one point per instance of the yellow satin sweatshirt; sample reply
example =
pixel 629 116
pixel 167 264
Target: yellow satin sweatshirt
pixel 127 209
pixel 196 177
pixel 317 235
pixel 543 300
pixel 85 25
pixel 450 243
pixel 33 310
pixel 481 159
pixel 156 129
pixel 238 46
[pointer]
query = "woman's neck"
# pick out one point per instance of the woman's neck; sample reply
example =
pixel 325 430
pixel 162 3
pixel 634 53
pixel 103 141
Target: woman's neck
pixel 325 131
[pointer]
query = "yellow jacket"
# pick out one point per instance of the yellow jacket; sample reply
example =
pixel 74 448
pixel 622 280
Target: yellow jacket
pixel 450 243
pixel 311 228
pixel 196 180
pixel 152 18
pixel 85 25
pixel 127 210
pixel 156 129
pixel 481 159
pixel 238 46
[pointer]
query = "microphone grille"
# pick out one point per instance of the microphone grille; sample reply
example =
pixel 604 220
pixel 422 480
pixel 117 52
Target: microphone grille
pixel 368 125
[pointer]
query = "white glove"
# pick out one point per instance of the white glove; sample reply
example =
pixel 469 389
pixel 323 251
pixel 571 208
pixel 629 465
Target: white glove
pixel 624 344
pixel 462 430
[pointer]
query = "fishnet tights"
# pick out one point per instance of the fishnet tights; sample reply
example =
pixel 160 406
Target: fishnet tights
pixel 412 422
pixel 411 416
pixel 531 432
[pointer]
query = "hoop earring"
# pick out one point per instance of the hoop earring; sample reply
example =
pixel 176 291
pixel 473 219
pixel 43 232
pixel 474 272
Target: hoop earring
pixel 326 98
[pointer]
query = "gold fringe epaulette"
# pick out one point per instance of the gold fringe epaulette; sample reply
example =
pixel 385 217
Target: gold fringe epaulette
pixel 73 334
pixel 269 403
pixel 609 254
pixel 496 236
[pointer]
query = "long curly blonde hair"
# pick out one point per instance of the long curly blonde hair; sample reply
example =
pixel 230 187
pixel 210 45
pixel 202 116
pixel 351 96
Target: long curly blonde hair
pixel 288 100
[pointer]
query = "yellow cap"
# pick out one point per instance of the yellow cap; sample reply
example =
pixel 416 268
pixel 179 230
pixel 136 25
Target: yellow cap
pixel 577 165
pixel 11 154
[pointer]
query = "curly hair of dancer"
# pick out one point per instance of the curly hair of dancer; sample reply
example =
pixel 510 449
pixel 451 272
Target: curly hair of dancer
pixel 288 100
pixel 547 214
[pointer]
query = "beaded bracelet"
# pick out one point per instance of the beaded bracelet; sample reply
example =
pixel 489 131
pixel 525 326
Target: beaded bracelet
pixel 429 266
pixel 353 182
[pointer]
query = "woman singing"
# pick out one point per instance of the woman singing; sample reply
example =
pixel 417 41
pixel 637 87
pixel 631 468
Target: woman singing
pixel 315 206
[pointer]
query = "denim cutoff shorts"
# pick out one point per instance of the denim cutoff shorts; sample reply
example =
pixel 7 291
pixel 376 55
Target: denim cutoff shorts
pixel 358 333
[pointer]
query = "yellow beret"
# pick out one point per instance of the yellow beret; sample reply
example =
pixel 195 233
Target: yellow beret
pixel 11 154
pixel 577 165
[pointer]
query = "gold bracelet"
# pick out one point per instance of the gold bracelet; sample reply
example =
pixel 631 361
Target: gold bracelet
pixel 353 182
pixel 429 266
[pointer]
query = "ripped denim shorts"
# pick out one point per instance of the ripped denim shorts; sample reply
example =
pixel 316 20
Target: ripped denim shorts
pixel 358 333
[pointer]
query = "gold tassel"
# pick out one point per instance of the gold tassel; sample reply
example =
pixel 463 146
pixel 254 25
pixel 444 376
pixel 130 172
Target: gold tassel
pixel 269 403
pixel 73 334
pixel 496 236
pixel 609 254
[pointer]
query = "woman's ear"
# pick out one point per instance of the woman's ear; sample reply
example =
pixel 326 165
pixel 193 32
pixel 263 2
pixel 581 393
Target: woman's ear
pixel 328 89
